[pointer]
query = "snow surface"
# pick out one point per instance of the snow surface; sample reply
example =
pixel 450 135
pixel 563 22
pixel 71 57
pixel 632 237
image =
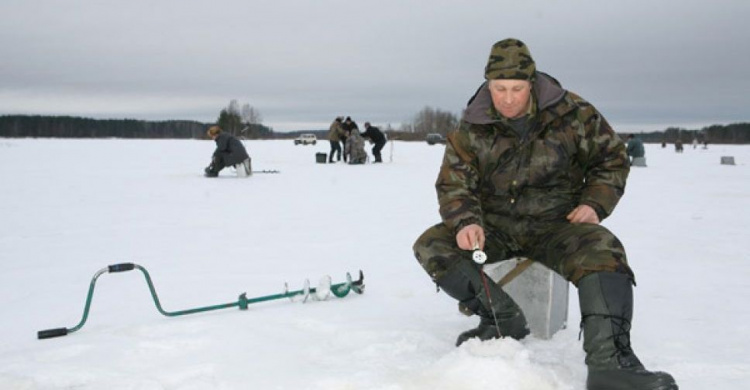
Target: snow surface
pixel 72 207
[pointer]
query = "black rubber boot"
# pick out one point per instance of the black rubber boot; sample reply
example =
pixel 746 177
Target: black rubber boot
pixel 606 300
pixel 464 283
pixel 215 167
pixel 210 171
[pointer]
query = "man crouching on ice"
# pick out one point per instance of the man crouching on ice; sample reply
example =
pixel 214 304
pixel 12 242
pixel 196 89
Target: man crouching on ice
pixel 229 151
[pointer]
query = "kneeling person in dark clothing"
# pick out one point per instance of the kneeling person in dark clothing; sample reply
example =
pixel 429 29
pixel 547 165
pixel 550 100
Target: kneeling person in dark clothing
pixel 377 137
pixel 229 151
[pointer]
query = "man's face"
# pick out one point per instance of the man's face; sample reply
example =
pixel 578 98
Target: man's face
pixel 510 97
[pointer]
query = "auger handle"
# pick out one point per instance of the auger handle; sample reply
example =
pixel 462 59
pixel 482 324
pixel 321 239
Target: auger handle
pixel 50 333
pixel 58 332
pixel 122 267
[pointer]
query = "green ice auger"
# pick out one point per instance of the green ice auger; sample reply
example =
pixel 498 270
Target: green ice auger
pixel 321 292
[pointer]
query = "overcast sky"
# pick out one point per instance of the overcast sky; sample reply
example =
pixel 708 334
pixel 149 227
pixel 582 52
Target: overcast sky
pixel 645 64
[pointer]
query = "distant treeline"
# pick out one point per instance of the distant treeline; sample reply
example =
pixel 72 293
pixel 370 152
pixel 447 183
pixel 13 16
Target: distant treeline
pixel 735 133
pixel 76 127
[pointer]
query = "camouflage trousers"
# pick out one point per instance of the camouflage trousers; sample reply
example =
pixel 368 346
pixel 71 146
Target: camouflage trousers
pixel 571 250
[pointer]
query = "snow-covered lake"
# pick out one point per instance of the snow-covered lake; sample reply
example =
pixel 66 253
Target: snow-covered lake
pixel 71 207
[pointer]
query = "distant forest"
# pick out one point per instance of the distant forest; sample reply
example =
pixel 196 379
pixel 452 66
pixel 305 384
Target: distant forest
pixel 20 126
pixel 76 127
pixel 735 133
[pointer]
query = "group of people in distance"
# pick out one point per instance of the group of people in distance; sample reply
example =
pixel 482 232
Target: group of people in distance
pixel 346 132
pixel 230 151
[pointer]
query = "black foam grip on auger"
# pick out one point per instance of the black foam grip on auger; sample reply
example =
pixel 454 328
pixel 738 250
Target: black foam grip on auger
pixel 122 267
pixel 50 333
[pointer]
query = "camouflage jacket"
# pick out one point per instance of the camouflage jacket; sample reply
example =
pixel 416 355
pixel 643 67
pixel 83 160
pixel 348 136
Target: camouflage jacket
pixel 570 156
pixel 335 131
pixel 355 148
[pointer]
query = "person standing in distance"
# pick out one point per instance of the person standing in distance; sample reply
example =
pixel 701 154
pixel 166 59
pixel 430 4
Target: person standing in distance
pixel 335 132
pixel 378 138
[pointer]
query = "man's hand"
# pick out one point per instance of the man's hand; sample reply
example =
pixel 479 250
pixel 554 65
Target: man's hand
pixel 470 235
pixel 583 214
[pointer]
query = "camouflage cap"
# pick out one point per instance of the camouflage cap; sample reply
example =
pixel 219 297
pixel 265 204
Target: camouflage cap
pixel 510 59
